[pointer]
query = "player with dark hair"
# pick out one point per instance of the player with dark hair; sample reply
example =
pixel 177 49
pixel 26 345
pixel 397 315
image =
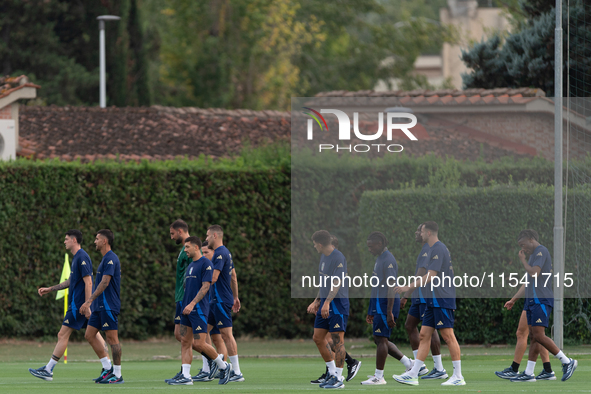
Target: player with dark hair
pixel 179 232
pixel 415 315
pixel 224 299
pixel 439 313
pixel 384 306
pixel 106 306
pixel 539 299
pixel 80 288
pixel 353 365
pixel 193 326
pixel 331 308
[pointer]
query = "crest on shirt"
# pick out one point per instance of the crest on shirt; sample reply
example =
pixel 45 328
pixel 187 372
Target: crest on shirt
pixel 191 271
pixel 322 267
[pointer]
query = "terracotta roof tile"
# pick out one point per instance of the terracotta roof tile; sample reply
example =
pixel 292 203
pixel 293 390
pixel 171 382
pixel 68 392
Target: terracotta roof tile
pixel 11 84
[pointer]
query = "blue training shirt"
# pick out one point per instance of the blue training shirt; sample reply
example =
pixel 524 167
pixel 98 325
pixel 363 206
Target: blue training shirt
pixel 198 272
pixel 334 264
pixel 222 289
pixel 81 267
pixel 444 295
pixel 110 300
pixel 422 262
pixel 384 268
pixel 540 291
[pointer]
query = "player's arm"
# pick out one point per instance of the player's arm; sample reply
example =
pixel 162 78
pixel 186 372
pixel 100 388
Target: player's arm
pixel 421 272
pixel 326 307
pixel 216 275
pixel 422 281
pixel 313 307
pixel 234 285
pixel 46 290
pixel 520 293
pixel 533 269
pixel 87 289
pixel 97 292
pixel 202 292
pixel 389 314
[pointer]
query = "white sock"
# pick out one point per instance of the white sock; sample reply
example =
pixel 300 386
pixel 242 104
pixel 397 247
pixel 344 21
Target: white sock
pixel 531 365
pixel 235 365
pixel 106 363
pixel 457 369
pixel 414 372
pixel 379 374
pixel 406 362
pixel 332 368
pixel 186 368
pixel 50 365
pixel 414 353
pixel 339 373
pixel 117 370
pixel 220 361
pixel 205 367
pixel 563 359
pixel 438 363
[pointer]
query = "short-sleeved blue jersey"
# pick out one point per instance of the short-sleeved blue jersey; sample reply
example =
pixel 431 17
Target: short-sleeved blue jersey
pixel 422 262
pixel 540 291
pixel 222 289
pixel 386 271
pixel 334 264
pixel 110 299
pixel 198 272
pixel 444 295
pixel 81 267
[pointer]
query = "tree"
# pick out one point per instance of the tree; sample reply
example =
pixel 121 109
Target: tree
pixel 526 58
pixel 55 43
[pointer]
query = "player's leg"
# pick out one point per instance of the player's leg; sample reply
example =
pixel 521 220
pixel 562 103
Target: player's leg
pixel 325 375
pixel 412 322
pixel 218 363
pixel 98 344
pixel 353 365
pixel 438 372
pixel 547 373
pixel 412 377
pixel 46 372
pixel 203 375
pixel 520 348
pixel 186 334
pixel 109 325
pixel 449 337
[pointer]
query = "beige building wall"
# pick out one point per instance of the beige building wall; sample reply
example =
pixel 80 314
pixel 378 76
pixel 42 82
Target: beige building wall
pixel 473 24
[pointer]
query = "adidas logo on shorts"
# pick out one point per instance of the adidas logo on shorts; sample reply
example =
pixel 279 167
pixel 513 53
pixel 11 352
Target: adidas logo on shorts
pixel 198 328
pixel 67 321
pixel 220 323
pixel 440 323
pixel 177 318
pixel 337 326
pixel 378 331
pixel 539 321
pixel 106 325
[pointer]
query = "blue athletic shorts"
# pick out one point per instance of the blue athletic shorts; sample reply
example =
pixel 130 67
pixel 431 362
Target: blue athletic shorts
pixel 178 313
pixel 334 323
pixel 380 325
pixel 417 309
pixel 538 315
pixel 75 320
pixel 438 317
pixel 103 320
pixel 220 316
pixel 196 321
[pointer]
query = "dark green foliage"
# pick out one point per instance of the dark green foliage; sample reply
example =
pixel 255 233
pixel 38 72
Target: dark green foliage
pixel 479 227
pixel 526 57
pixel 40 201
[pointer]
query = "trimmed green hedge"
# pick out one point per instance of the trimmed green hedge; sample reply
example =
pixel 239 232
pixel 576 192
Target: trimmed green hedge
pixel 479 226
pixel 39 201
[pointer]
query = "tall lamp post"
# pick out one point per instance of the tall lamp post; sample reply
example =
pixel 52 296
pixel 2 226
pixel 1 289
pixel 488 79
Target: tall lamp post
pixel 103 79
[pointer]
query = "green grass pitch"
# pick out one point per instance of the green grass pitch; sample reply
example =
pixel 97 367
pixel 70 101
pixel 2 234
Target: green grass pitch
pixel 144 372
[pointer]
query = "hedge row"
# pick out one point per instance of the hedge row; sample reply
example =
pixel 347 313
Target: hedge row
pixel 479 226
pixel 40 201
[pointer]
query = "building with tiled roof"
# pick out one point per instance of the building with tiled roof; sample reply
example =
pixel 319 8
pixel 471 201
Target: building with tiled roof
pixel 469 124
pixel 12 89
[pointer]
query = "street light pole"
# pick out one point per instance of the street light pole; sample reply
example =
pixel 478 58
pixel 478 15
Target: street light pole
pixel 103 72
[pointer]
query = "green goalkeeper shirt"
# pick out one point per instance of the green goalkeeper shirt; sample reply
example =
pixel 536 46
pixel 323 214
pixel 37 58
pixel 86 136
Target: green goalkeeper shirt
pixel 182 263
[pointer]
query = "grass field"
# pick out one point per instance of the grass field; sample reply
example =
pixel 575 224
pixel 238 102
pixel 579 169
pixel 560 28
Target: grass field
pixel 146 364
